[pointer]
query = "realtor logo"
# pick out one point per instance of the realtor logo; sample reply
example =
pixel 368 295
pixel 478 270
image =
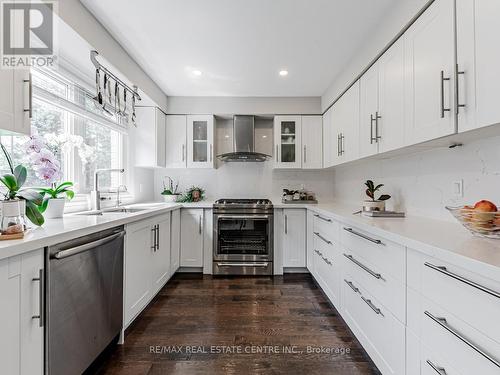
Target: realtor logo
pixel 28 34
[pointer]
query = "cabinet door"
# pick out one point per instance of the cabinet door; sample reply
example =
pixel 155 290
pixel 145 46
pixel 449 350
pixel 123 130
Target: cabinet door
pixel 430 67
pixel 328 143
pixel 200 135
pixel 390 124
pixel 192 237
pixel 312 142
pixel 138 249
pixel 175 241
pixel 310 242
pixel 21 341
pixel 369 111
pixel 175 144
pixel 345 119
pixel 288 141
pixel 161 255
pixel 149 137
pixel 7 122
pixel 294 238
pixel 478 30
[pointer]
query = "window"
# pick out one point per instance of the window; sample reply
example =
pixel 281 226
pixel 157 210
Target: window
pixel 82 136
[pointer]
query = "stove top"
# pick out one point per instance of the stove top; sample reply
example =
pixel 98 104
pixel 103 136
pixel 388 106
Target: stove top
pixel 243 202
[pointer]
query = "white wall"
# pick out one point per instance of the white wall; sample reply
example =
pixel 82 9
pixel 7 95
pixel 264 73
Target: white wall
pixel 392 24
pixel 421 183
pixel 243 105
pixel 248 180
pixel 83 22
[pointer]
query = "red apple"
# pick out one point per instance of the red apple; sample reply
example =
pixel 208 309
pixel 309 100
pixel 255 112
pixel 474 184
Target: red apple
pixel 485 206
pixel 484 212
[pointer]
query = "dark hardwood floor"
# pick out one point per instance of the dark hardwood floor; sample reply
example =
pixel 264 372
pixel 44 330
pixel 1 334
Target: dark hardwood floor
pixel 217 317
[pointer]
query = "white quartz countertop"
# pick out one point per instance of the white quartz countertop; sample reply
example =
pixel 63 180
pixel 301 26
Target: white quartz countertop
pixel 71 226
pixel 447 240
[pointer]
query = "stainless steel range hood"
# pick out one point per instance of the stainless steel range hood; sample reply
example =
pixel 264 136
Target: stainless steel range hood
pixel 244 141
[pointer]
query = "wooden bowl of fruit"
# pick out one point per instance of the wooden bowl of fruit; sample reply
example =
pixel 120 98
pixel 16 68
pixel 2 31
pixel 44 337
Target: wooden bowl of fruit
pixel 482 219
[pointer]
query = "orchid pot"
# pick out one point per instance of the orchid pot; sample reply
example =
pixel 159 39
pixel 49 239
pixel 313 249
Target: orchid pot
pixel 170 198
pixel 373 205
pixel 12 218
pixel 55 208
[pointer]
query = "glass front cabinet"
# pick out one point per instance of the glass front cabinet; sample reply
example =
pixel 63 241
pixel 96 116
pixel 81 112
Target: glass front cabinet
pixel 200 141
pixel 287 139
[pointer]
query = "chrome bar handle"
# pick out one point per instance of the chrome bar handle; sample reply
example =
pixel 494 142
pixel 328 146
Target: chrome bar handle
pixel 351 285
pixel 372 306
pixel 327 261
pixel 323 238
pixel 199 225
pixel 318 252
pixel 342 144
pixel 260 264
pixel 361 265
pixel 211 151
pixel 443 109
pixel 338 144
pixel 41 298
pixel 183 152
pixel 350 230
pixel 153 231
pixel 473 284
pixel 29 81
pixel 85 247
pixel 458 73
pixel 443 323
pixel 323 218
pixel 439 370
pixel 157 236
pixel 286 224
pixel 377 117
pixel 305 153
pixel 371 128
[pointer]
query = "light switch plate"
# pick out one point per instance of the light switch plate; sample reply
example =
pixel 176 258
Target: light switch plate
pixel 458 188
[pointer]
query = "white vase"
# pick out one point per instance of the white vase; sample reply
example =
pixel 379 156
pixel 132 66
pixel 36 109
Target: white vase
pixel 170 198
pixel 55 208
pixel 374 206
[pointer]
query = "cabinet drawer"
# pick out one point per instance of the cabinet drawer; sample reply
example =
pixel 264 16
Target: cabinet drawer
pixel 380 333
pixel 431 364
pixel 327 270
pixel 326 226
pixel 386 256
pixel 458 343
pixel 383 286
pixel 471 297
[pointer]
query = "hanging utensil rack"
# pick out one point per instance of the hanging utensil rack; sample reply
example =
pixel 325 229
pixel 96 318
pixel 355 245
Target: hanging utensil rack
pixel 97 64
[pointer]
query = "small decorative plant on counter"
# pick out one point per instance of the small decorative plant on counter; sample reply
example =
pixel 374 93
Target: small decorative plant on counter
pixel 193 194
pixel 19 202
pixel 374 204
pixel 169 192
pixel 54 199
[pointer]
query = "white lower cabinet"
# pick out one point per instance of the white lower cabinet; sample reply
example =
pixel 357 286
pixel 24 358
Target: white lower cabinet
pixel 192 237
pixel 147 262
pixel 294 237
pixel 22 332
pixel 175 241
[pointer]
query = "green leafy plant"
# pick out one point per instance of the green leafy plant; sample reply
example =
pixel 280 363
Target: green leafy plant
pixel 170 189
pixel 372 189
pixel 193 194
pixel 55 192
pixel 14 182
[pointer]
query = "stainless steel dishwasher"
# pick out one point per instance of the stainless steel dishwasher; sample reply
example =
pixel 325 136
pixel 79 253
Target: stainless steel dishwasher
pixel 84 300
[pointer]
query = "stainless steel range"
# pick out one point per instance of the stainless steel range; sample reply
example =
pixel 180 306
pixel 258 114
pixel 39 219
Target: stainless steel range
pixel 243 237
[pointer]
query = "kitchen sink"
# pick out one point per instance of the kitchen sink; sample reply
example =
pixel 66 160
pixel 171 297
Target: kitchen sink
pixel 115 210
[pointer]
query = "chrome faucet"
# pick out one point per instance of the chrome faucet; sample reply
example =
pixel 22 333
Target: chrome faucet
pixel 118 190
pixel 95 195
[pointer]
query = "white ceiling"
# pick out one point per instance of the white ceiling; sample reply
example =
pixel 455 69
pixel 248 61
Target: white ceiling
pixel 241 45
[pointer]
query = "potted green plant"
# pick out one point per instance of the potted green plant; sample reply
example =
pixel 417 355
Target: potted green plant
pixel 193 194
pixel 169 192
pixel 26 199
pixel 374 204
pixel 54 199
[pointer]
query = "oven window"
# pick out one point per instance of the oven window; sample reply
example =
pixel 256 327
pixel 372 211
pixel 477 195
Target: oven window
pixel 243 236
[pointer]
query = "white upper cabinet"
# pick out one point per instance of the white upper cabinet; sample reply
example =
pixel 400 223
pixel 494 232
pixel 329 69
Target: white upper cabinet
pixel 478 73
pixel 345 126
pixel 429 74
pixel 287 141
pixel 176 148
pixel 328 143
pixel 149 137
pixel 200 145
pixel 312 145
pixel 389 126
pixel 369 112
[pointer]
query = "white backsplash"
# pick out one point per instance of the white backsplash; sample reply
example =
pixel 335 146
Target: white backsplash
pixel 252 180
pixel 421 183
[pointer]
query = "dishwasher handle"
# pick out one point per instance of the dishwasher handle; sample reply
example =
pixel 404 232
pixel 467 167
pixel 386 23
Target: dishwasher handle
pixel 87 246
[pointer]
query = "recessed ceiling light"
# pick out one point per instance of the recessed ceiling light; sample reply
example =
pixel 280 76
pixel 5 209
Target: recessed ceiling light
pixel 197 73
pixel 283 73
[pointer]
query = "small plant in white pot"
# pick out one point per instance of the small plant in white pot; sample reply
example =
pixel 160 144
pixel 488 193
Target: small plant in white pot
pixel 374 204
pixel 54 199
pixel 169 192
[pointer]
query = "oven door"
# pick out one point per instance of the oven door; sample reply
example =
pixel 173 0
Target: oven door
pixel 243 237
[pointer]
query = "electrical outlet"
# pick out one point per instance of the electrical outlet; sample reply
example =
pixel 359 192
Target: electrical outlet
pixel 458 188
